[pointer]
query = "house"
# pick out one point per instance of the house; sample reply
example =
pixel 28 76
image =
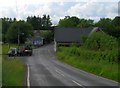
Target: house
pixel 38 41
pixel 72 35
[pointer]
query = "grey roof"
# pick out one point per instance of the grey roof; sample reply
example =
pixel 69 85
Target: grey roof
pixel 70 35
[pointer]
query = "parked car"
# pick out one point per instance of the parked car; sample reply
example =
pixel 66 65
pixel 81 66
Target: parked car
pixel 20 51
pixel 28 50
pixel 25 50
pixel 12 52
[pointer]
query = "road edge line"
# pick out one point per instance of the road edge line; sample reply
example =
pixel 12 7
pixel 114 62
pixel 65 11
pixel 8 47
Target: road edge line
pixel 28 76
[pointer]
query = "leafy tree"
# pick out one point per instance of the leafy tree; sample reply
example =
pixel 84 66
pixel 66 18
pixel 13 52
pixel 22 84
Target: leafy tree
pixel 85 23
pixel 40 22
pixel 111 27
pixel 21 28
pixel 48 23
pixel 69 21
pixel 116 21
pixel 6 22
pixel 33 21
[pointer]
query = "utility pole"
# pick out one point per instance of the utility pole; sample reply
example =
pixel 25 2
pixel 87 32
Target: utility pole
pixel 18 26
pixel 18 36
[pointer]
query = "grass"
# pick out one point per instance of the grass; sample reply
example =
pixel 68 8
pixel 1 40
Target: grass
pixel 13 69
pixel 13 72
pixel 5 48
pixel 88 60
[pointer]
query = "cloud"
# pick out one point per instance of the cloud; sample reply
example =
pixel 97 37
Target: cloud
pixel 93 9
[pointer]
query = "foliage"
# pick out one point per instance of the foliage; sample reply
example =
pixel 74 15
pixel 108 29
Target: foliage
pixel 5 48
pixel 21 28
pixel 13 73
pixel 6 22
pixel 40 22
pixel 84 38
pixel 47 35
pixel 101 41
pixel 109 26
pixel 85 23
pixel 100 58
pixel 75 22
pixel 68 22
pixel 98 62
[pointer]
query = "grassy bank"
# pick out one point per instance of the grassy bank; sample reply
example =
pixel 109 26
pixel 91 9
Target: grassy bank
pixel 13 69
pixel 94 65
pixel 98 55
pixel 13 72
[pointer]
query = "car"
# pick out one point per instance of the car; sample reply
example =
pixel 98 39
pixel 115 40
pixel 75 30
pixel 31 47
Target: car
pixel 25 51
pixel 12 52
pixel 28 50
pixel 20 51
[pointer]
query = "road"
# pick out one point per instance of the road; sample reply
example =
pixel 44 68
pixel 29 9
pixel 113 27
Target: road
pixel 45 70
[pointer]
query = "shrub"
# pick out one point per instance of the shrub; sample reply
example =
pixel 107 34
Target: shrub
pixel 101 41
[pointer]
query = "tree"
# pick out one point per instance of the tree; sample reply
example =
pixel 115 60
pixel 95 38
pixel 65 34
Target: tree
pixel 111 27
pixel 6 22
pixel 21 28
pixel 48 23
pixel 40 22
pixel 69 22
pixel 85 23
pixel 116 21
pixel 33 21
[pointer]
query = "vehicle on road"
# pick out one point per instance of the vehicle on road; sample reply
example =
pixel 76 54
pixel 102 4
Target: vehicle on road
pixel 12 52
pixel 28 50
pixel 25 51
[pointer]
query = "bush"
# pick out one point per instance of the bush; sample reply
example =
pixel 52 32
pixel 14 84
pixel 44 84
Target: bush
pixel 101 41
pixel 98 55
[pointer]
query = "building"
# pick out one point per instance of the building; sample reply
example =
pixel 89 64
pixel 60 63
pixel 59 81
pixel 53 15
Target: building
pixel 72 35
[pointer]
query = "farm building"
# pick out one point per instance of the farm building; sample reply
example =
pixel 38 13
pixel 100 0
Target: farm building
pixel 72 35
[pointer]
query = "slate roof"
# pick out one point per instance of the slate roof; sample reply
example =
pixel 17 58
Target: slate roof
pixel 71 35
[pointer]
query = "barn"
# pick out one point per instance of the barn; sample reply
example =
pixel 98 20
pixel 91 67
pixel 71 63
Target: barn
pixel 68 36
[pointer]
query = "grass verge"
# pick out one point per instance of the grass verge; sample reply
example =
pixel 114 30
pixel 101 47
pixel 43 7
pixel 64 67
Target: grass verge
pixel 13 72
pixel 90 61
pixel 5 48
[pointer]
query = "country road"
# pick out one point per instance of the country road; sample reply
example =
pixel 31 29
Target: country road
pixel 45 70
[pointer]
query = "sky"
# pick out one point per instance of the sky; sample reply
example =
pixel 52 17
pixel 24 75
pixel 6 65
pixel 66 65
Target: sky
pixel 58 9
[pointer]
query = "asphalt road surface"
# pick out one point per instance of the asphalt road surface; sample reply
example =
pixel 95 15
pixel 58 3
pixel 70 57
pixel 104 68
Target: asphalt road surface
pixel 45 70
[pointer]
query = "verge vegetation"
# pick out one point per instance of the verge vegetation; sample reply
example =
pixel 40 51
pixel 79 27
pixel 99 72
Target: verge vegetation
pixel 13 69
pixel 13 72
pixel 98 55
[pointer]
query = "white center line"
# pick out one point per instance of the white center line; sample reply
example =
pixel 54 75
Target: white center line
pixel 28 77
pixel 59 72
pixel 76 83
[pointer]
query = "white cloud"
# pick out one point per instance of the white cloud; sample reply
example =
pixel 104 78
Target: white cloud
pixel 92 9
pixel 55 19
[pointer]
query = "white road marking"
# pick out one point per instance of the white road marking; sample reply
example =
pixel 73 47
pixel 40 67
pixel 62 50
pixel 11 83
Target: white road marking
pixel 59 72
pixel 76 83
pixel 28 77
